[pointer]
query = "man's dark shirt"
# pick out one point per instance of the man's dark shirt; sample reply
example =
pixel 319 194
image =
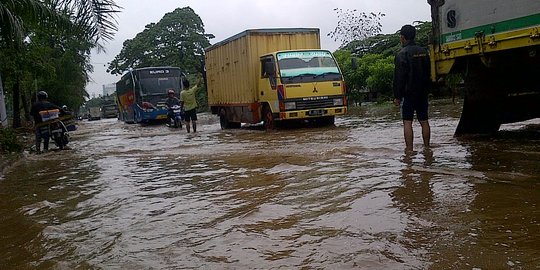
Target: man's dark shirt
pixel 42 105
pixel 412 77
pixel 172 101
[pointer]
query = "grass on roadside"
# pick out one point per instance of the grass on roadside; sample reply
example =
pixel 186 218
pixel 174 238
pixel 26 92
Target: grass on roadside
pixel 9 141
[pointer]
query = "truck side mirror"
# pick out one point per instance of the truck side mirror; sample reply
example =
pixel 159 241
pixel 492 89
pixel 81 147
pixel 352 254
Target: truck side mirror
pixel 269 69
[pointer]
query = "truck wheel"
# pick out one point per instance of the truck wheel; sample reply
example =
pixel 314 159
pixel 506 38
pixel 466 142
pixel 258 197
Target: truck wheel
pixel 268 119
pixel 326 121
pixel 483 99
pixel 223 121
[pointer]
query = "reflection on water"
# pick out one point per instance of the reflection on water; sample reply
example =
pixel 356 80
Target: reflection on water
pixel 344 197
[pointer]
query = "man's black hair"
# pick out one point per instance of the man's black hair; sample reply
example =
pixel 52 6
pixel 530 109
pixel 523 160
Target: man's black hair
pixel 185 82
pixel 408 32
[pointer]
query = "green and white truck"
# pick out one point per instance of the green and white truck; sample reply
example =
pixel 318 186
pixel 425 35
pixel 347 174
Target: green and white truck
pixel 495 45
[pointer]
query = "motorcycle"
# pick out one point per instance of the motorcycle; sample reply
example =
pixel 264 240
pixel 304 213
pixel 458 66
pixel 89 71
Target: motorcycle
pixel 176 120
pixel 55 128
pixel 59 133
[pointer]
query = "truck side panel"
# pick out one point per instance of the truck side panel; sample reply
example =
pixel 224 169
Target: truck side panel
pixel 461 19
pixel 464 31
pixel 228 73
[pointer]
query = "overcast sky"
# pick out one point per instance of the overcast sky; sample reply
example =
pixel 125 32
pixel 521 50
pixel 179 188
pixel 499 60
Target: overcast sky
pixel 229 17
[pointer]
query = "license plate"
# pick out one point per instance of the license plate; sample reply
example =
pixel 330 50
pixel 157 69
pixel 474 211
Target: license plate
pixel 315 112
pixel 161 117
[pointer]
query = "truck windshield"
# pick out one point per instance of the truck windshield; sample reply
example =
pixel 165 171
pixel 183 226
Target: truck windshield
pixel 307 66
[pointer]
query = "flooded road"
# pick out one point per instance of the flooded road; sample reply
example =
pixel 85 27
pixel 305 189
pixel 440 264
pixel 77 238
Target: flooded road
pixel 343 197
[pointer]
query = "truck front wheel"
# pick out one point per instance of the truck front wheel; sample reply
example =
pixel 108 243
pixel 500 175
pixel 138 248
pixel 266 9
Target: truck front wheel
pixel 268 119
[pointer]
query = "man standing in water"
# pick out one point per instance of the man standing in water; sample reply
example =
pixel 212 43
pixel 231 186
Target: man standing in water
pixel 189 102
pixel 411 85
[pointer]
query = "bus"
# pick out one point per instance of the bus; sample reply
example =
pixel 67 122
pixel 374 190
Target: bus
pixel 141 93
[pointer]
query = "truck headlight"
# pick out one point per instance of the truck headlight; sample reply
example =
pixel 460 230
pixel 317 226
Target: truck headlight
pixel 290 106
pixel 338 102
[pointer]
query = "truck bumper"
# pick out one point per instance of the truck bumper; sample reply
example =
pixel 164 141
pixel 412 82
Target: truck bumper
pixel 312 113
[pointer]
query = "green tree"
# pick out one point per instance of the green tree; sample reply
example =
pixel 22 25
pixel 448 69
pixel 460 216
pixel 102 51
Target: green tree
pixel 47 43
pixel 355 26
pixel 380 77
pixel 178 39
pixel 94 17
pixel 373 73
pixel 389 44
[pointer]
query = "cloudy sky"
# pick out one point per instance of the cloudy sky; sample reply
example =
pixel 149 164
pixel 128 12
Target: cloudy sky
pixel 229 17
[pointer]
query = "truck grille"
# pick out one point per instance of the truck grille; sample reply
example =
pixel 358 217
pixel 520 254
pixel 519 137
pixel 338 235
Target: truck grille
pixel 314 104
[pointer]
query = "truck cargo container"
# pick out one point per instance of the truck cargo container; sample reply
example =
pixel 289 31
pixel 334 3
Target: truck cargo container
pixel 273 75
pixel 495 46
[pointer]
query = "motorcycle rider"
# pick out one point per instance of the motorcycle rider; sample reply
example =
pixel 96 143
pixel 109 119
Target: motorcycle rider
pixel 41 131
pixel 170 102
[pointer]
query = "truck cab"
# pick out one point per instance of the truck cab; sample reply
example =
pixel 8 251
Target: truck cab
pixel 301 84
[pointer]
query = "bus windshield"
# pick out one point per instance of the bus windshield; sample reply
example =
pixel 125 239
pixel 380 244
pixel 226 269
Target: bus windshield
pixel 307 66
pixel 159 86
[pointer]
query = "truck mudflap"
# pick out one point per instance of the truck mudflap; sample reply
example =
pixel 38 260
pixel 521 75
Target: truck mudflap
pixel 312 113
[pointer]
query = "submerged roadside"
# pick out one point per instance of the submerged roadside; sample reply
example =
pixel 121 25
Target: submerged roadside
pixel 13 144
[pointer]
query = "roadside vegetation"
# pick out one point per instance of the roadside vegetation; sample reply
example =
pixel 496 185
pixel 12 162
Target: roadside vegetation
pixel 10 142
pixel 45 45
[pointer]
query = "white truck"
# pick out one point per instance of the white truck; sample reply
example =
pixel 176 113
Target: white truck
pixel 94 113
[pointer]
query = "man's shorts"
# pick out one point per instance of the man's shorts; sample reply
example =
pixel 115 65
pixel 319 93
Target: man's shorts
pixel 409 106
pixel 190 115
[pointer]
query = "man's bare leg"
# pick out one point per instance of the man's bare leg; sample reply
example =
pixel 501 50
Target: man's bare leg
pixel 426 132
pixel 408 134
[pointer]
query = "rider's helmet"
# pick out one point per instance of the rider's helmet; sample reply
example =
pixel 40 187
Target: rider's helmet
pixel 170 92
pixel 41 95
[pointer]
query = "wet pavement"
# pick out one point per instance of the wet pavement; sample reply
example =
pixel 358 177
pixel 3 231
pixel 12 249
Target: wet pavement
pixel 343 197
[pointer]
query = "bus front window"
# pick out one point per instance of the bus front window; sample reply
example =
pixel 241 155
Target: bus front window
pixel 159 86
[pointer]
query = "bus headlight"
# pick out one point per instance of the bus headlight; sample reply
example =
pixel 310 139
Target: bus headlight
pixel 338 102
pixel 290 106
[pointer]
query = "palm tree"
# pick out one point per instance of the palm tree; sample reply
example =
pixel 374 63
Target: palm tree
pixel 96 15
pixel 92 20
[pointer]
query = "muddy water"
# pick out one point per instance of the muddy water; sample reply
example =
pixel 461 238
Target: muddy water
pixel 343 197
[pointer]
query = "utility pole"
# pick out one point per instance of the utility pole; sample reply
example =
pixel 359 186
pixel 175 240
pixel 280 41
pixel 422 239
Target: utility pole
pixel 3 112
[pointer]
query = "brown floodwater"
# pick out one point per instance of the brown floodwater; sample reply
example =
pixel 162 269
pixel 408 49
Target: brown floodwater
pixel 343 197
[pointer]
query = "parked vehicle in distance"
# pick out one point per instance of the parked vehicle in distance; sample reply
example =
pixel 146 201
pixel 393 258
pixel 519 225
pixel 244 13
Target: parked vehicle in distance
pixel 495 46
pixel 109 111
pixel 280 75
pixel 94 113
pixel 141 93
